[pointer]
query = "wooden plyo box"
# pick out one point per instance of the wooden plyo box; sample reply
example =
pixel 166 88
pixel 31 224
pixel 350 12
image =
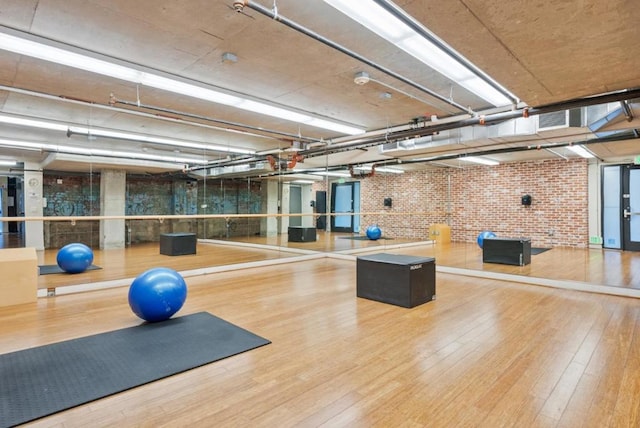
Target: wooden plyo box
pixel 441 233
pixel 19 273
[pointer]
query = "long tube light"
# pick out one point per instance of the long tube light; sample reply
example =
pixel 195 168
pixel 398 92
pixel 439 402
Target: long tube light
pixel 581 151
pixel 91 132
pixel 482 161
pixel 55 148
pixel 380 169
pixel 97 132
pixel 386 25
pixel 47 52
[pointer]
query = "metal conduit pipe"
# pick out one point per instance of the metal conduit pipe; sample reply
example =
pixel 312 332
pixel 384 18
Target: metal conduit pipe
pixel 433 127
pixel 479 153
pixel 510 150
pixel 239 5
pixel 418 132
pixel 628 114
pixel 459 155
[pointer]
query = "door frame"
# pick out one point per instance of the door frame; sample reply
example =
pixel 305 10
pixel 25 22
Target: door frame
pixel 355 193
pixel 628 212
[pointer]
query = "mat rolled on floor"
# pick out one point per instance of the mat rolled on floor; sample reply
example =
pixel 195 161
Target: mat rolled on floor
pixel 51 269
pixel 41 381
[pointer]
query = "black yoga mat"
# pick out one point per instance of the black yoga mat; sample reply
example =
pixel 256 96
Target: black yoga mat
pixel 41 381
pixel 362 238
pixel 49 269
pixel 538 250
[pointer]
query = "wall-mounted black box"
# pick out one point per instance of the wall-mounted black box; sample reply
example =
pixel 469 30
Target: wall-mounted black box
pixel 406 281
pixel 506 251
pixel 177 244
pixel 302 234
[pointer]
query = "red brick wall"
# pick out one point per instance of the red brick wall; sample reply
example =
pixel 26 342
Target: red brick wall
pixel 489 198
pixel 421 194
pixel 485 198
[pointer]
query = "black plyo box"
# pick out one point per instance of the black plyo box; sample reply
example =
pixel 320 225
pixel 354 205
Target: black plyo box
pixel 508 251
pixel 400 280
pixel 177 244
pixel 302 234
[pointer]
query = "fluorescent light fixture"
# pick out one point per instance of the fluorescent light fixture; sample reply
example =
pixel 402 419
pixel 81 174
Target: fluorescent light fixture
pixel 334 126
pixel 55 148
pixel 22 145
pixel 46 52
pixel 91 132
pixel 303 182
pixel 329 173
pixel 482 161
pixel 33 123
pixel 380 169
pixel 7 162
pixel 581 151
pixel 386 25
pixel 97 132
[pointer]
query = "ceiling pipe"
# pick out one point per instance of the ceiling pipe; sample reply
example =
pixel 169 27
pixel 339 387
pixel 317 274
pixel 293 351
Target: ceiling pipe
pixel 239 6
pixel 519 149
pixel 440 158
pixel 430 128
pixel 628 114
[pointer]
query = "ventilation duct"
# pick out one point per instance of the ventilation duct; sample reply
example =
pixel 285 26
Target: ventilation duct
pixel 557 126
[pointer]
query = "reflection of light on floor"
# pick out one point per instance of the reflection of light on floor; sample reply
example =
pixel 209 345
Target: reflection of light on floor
pixel 10 240
pixel 635 272
pixel 610 259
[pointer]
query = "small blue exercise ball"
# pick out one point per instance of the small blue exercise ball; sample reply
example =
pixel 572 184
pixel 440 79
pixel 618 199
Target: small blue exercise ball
pixel 374 232
pixel 484 235
pixel 156 294
pixel 74 258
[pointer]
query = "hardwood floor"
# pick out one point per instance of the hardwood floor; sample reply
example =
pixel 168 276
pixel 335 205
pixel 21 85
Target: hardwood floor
pixel 484 354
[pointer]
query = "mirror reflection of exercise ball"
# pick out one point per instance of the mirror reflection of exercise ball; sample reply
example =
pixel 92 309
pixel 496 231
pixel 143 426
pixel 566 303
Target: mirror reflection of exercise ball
pixel 484 235
pixel 74 258
pixel 374 232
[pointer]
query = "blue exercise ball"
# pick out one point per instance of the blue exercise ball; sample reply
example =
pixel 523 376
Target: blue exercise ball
pixel 484 235
pixel 374 232
pixel 156 294
pixel 74 258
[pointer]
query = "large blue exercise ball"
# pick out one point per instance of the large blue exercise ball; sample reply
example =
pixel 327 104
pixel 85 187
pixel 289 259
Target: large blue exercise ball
pixel 484 235
pixel 374 232
pixel 74 258
pixel 156 294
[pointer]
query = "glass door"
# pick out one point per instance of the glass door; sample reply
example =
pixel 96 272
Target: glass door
pixel 342 205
